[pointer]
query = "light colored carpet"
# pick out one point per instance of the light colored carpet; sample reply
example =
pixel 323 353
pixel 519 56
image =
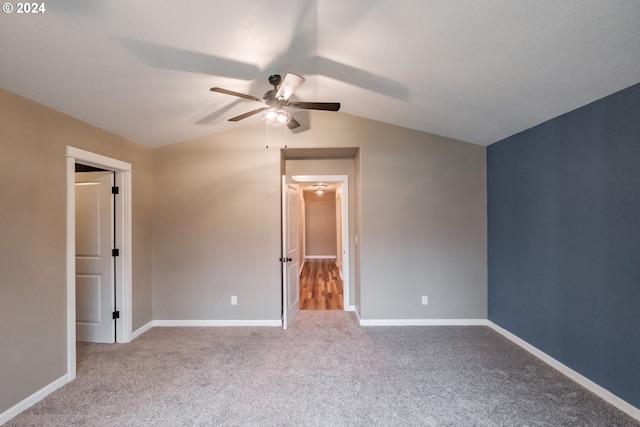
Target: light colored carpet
pixel 325 370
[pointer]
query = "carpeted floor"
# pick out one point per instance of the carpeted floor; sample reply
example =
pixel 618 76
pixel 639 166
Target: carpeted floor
pixel 325 370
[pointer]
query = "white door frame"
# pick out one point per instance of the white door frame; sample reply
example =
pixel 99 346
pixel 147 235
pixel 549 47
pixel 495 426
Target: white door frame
pixel 344 180
pixel 123 237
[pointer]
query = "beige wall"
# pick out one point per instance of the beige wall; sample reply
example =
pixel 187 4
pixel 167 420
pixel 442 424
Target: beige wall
pixel 33 142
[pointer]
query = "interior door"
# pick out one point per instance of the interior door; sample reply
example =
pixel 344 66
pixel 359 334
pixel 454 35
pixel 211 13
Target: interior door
pixel 94 261
pixel 291 251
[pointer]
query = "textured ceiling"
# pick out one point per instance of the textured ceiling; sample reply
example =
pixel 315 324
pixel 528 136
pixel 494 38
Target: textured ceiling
pixel 477 71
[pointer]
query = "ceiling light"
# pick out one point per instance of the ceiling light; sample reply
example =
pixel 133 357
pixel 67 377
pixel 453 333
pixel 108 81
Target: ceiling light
pixel 319 189
pixel 276 116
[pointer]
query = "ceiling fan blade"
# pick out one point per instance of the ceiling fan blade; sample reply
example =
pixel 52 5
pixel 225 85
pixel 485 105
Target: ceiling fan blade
pixel 328 106
pixel 293 123
pixel 230 92
pixel 245 115
pixel 290 83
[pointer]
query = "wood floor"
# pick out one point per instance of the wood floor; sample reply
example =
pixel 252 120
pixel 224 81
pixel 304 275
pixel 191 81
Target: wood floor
pixel 320 286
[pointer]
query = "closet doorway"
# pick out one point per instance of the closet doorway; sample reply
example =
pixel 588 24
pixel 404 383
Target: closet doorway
pixel 123 238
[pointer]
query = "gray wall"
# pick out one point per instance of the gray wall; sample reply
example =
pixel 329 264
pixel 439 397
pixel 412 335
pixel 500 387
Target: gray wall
pixel 217 228
pixel 423 226
pixel 33 287
pixel 422 221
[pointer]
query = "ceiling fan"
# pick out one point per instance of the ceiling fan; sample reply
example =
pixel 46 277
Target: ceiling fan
pixel 277 99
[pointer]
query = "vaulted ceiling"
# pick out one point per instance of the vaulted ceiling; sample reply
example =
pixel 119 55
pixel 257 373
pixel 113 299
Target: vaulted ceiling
pixel 474 70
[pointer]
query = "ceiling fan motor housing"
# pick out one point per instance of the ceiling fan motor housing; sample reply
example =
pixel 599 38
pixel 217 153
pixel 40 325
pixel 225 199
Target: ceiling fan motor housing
pixel 272 100
pixel 275 81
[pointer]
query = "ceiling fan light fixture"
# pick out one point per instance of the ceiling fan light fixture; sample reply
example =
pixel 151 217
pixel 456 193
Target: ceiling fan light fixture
pixel 276 116
pixel 274 100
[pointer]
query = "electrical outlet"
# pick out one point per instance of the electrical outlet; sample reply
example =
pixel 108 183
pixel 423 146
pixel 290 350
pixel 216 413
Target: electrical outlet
pixel 425 299
pixel 234 300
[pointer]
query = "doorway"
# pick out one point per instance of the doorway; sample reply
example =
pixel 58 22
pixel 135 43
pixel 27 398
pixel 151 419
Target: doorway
pixel 342 233
pixel 122 174
pixel 321 286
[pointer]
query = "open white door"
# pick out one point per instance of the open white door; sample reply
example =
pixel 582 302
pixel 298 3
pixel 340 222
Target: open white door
pixel 291 252
pixel 94 261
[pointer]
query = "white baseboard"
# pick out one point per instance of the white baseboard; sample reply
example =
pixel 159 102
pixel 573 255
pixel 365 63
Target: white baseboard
pixel 596 389
pixel 33 399
pixel 423 322
pixel 351 308
pixel 141 330
pixel 163 323
pixel 320 257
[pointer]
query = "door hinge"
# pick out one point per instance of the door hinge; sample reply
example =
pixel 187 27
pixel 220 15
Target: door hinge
pixel 115 190
pixel 116 315
pixel 115 252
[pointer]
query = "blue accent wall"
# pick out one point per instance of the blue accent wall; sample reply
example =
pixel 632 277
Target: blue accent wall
pixel 564 239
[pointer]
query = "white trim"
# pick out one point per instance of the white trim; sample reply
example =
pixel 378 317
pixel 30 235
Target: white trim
pixel 320 257
pixel 320 178
pixel 141 330
pixel 33 399
pixel 97 160
pixel 304 260
pixel 424 322
pixel 596 389
pixel 351 308
pixel 199 323
pixel 173 323
pixel 71 267
pixel 124 294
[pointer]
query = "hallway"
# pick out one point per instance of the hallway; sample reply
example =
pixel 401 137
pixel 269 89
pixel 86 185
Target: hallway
pixel 320 286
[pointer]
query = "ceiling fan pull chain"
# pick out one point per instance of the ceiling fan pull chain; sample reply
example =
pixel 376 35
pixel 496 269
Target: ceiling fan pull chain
pixel 284 138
